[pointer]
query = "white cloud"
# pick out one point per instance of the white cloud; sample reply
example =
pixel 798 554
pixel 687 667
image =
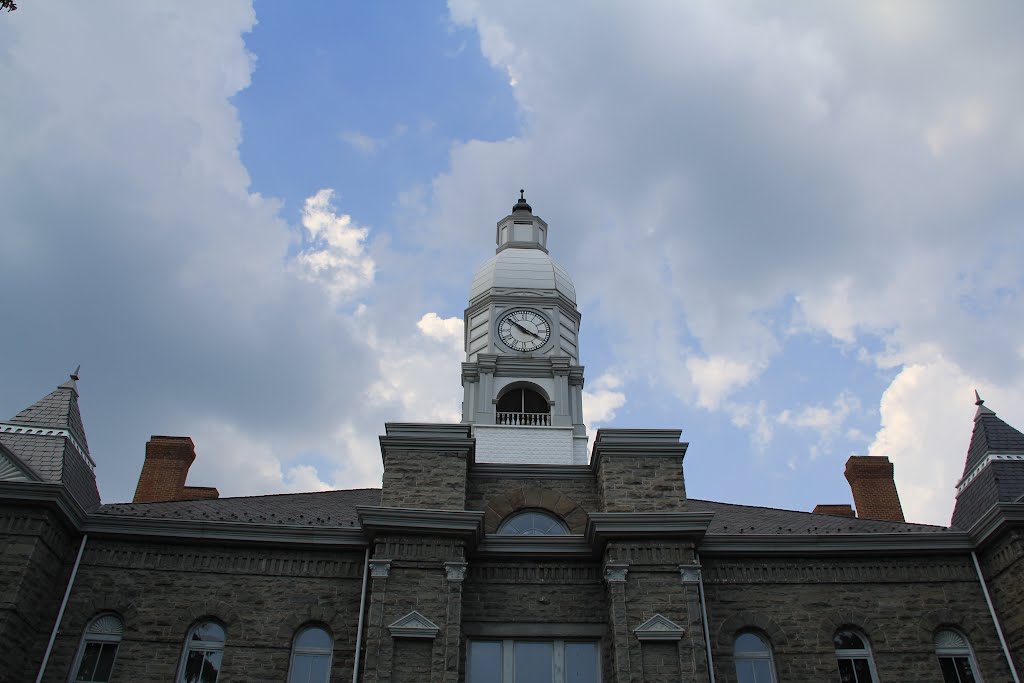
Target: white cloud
pixel 716 377
pixel 826 421
pixel 336 258
pixel 600 404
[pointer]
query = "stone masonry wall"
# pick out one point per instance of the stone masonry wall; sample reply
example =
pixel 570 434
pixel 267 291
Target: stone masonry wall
pixel 36 554
pixel 411 574
pixel 569 498
pixel 639 483
pixel 898 604
pixel 1003 566
pixel 261 595
pixel 424 479
pixel 652 585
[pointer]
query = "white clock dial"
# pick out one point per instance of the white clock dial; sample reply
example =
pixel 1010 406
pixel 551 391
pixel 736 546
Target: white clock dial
pixel 524 330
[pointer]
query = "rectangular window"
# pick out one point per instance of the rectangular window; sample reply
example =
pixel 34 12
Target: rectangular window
pixel 956 670
pixel 533 661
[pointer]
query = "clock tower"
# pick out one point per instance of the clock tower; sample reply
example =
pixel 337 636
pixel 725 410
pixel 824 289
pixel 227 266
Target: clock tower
pixel 522 379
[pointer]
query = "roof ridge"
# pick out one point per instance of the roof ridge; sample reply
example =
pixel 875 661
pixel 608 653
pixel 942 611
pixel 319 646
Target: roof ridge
pixel 819 514
pixel 227 498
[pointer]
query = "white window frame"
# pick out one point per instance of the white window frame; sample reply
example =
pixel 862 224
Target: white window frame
pixel 755 656
pixel 93 635
pixel 954 651
pixel 557 654
pixel 201 646
pixel 315 651
pixel 864 654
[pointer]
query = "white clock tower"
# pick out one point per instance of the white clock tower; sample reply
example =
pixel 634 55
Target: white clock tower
pixel 522 379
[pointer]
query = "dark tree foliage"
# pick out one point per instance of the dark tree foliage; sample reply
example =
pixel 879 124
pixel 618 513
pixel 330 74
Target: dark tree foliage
pixel 8 5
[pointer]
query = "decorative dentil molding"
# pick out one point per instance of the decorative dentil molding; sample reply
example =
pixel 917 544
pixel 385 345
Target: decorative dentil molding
pixel 659 627
pixel 455 571
pixel 50 431
pixel 380 569
pixel 414 625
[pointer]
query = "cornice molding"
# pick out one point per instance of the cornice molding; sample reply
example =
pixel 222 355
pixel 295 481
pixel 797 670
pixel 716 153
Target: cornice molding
pixel 197 530
pixel 505 471
pixel 999 517
pixel 605 526
pixel 465 524
pixel 494 545
pixel 835 544
pixel 985 462
pixel 54 496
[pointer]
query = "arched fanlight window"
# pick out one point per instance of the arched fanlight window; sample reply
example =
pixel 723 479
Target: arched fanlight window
pixel 311 656
pixel 95 659
pixel 533 523
pixel 204 649
pixel 753 659
pixel 955 658
pixel 854 657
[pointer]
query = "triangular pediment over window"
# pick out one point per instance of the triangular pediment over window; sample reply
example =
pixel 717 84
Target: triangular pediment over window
pixel 659 627
pixel 414 625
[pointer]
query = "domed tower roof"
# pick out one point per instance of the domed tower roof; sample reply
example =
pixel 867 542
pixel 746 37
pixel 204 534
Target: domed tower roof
pixel 519 268
pixel 521 260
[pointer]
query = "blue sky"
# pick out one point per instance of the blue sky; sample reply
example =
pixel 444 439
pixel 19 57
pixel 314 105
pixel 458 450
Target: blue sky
pixel 794 231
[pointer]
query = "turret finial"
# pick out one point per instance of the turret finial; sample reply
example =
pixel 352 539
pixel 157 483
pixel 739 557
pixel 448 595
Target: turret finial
pixel 521 205
pixel 74 375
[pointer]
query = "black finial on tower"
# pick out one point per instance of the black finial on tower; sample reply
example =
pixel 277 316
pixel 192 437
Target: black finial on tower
pixel 74 375
pixel 521 205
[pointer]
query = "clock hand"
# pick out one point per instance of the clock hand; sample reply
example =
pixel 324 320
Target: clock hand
pixel 527 331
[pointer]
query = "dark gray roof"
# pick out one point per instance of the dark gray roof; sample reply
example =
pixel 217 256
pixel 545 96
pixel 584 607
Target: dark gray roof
pixel 52 456
pixel 58 409
pixel 991 435
pixel 747 519
pixel 337 508
pixel 323 508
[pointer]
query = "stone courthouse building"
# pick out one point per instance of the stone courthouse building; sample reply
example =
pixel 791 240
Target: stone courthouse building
pixel 499 550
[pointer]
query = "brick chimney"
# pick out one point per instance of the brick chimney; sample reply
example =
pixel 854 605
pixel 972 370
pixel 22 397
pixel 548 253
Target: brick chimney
pixel 841 510
pixel 874 491
pixel 168 459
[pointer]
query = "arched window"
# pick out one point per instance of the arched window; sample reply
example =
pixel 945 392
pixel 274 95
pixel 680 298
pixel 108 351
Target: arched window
pixel 753 659
pixel 311 656
pixel 523 400
pixel 955 658
pixel 204 649
pixel 95 659
pixel 854 657
pixel 533 523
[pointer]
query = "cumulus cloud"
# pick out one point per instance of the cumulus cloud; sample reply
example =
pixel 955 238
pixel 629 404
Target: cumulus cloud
pixel 336 257
pixel 826 421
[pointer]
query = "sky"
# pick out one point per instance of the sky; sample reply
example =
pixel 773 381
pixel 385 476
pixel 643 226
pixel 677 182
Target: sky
pixel 795 229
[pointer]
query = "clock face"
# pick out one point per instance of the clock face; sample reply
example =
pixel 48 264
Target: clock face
pixel 523 330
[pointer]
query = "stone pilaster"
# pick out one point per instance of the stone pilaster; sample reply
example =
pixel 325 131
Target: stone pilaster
pixel 615 579
pixel 455 573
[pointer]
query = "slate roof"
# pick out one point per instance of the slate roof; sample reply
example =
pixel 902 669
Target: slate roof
pixel 747 519
pixel 320 509
pixel 59 408
pixel 991 435
pixel 337 508
pixel 53 457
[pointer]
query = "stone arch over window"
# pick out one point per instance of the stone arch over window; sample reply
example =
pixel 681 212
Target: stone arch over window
pixel 956 656
pixel 293 620
pixel 747 621
pixel 534 497
pixel 523 398
pixel 221 611
pixel 837 620
pixel 932 622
